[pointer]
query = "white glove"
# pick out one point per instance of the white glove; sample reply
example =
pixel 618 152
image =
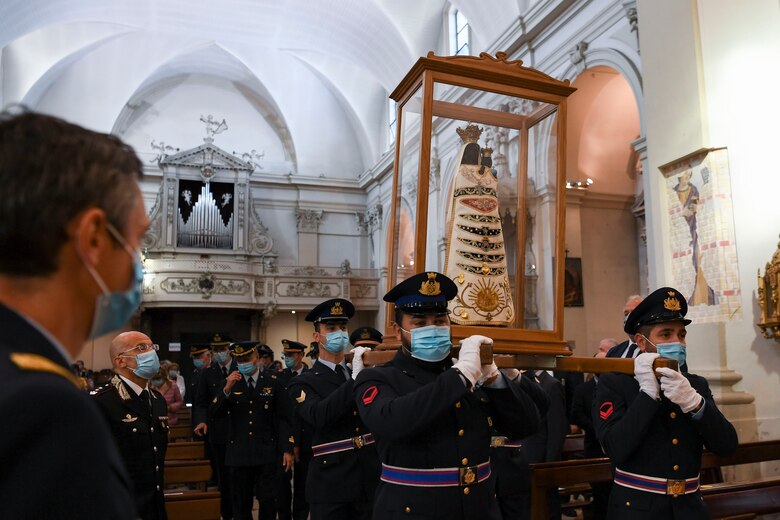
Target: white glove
pixel 468 358
pixel 489 374
pixel 643 373
pixel 678 389
pixel 357 361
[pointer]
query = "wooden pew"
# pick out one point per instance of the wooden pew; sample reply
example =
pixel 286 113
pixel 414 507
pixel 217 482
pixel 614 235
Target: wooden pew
pixel 178 433
pixel 193 450
pixel 737 499
pixel 184 504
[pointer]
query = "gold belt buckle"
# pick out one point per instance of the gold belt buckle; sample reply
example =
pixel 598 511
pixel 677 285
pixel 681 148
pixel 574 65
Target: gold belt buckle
pixel 497 442
pixel 467 475
pixel 358 442
pixel 675 487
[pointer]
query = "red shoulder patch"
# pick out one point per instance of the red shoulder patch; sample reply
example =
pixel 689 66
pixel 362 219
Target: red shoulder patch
pixel 605 410
pixel 370 394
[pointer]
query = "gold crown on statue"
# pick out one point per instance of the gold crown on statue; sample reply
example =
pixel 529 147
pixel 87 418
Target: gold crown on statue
pixel 469 134
pixel 487 152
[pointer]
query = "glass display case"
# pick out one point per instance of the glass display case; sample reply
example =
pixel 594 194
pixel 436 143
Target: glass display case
pixel 478 194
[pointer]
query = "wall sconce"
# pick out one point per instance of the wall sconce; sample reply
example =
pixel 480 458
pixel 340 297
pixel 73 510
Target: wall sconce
pixel 579 185
pixel 768 296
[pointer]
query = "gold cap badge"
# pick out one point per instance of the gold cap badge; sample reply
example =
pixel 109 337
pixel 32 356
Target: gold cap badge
pixel 336 310
pixel 672 303
pixel 430 287
pixel 365 335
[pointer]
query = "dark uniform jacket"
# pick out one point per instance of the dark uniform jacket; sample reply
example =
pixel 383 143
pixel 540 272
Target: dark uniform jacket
pixel 57 456
pixel 258 424
pixel 583 417
pixel 301 432
pixel 655 438
pixel 210 386
pixel 140 429
pixel 423 417
pixel 511 471
pixel 326 404
pixel 199 414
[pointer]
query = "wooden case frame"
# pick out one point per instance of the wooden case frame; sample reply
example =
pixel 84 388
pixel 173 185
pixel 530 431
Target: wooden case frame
pixel 500 76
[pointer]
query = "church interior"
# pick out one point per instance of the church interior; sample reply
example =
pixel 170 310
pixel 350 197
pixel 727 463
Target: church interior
pixel 270 137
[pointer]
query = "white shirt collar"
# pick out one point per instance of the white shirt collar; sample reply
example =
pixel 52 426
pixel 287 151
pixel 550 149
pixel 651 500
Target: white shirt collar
pixel 137 389
pixel 332 365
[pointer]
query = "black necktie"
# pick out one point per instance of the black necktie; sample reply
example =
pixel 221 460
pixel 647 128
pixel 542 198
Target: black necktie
pixel 341 372
pixel 251 384
pixel 144 396
pixel 224 372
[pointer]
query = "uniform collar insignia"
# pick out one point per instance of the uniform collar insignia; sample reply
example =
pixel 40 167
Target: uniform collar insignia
pixel 129 418
pixel 120 388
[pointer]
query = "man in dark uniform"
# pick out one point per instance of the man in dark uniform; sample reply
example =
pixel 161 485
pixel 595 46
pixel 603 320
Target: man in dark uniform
pixel 258 431
pixel 345 469
pixel 654 433
pixel 138 419
pixel 212 381
pixel 433 418
pixel 366 337
pixel 514 480
pixel 509 461
pixel 582 417
pixel 295 495
pixel 266 357
pixel 314 351
pixel 200 353
pixel 73 218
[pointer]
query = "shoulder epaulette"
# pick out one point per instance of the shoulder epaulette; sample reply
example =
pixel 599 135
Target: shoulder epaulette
pixel 101 389
pixel 36 363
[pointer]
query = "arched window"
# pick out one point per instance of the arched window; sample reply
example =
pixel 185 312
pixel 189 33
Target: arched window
pixel 460 34
pixel 391 121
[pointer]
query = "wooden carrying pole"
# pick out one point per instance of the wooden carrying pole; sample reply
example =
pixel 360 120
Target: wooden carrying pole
pixel 527 361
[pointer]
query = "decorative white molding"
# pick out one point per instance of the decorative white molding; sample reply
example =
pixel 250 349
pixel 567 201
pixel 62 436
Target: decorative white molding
pixel 308 220
pixel 206 284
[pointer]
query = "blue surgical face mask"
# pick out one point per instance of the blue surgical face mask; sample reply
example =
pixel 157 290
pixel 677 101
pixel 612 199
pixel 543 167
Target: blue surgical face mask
pixel 221 357
pixel 198 363
pixel 157 382
pixel 247 369
pixel 673 350
pixel 431 343
pixel 289 362
pixel 148 364
pixel 336 341
pixel 173 374
pixel 114 309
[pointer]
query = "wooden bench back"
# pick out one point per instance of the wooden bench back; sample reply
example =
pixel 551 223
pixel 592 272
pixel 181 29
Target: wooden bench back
pixel 186 450
pixel 567 473
pixel 187 472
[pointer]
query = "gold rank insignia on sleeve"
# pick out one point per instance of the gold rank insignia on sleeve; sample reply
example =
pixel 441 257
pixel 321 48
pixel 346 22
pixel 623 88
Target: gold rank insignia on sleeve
pixel 214 401
pixel 301 398
pixel 129 418
pixel 36 363
pixel 291 439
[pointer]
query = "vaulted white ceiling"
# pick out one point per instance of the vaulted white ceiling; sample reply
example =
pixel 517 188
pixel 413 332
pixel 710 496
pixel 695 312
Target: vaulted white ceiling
pixel 314 74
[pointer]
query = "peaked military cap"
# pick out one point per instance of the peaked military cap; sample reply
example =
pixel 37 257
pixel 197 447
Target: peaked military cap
pixel 219 340
pixel 243 348
pixel 265 350
pixel 423 293
pixel 365 336
pixel 198 349
pixel 289 346
pixel 337 309
pixel 661 306
pixel 315 350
